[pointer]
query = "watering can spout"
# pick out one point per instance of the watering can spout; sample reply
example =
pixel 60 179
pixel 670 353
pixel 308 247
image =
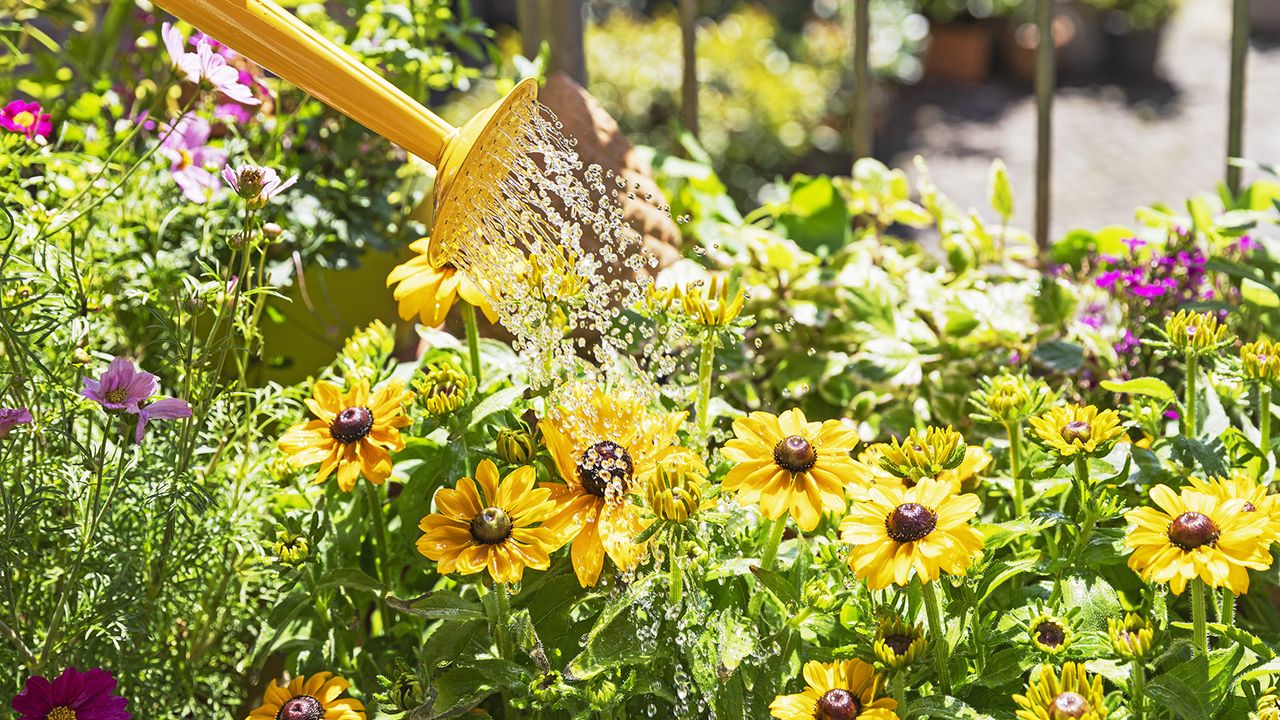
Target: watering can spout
pixel 465 157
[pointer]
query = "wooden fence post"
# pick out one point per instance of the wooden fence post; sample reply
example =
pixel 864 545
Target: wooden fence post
pixel 689 80
pixel 1235 115
pixel 1045 70
pixel 565 21
pixel 862 130
pixel 530 29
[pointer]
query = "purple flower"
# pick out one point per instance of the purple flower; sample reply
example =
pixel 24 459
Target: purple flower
pixel 221 76
pixel 163 409
pixel 233 112
pixel 73 694
pixel 256 184
pixel 11 418
pixel 1108 278
pixel 191 161
pixel 1172 414
pixel 26 118
pixel 1134 243
pixel 123 387
pixel 181 61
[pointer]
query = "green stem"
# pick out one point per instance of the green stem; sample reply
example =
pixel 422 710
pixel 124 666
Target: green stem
pixel 1264 425
pixel 1189 410
pixel 675 574
pixel 900 691
pixel 770 555
pixel 500 623
pixel 705 365
pixel 1014 431
pixel 473 339
pixel 1198 618
pixel 1086 506
pixel 1227 615
pixel 939 633
pixel 374 499
pixel 1138 688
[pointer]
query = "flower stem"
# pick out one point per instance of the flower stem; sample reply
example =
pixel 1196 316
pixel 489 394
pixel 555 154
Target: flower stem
pixel 675 574
pixel 939 633
pixel 1137 688
pixel 502 620
pixel 1198 618
pixel 1227 616
pixel 1090 517
pixel 705 364
pixel 1014 431
pixel 770 555
pixel 473 339
pixel 899 690
pixel 373 497
pixel 1264 425
pixel 1189 410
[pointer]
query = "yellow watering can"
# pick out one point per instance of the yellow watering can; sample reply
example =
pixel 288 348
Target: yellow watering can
pixel 470 160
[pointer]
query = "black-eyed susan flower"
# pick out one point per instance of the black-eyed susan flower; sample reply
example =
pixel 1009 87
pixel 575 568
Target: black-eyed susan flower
pixel 1192 535
pixel 1073 696
pixel 291 548
pixel 923 454
pixel 789 465
pixel 674 490
pixel 351 434
pixel 1194 333
pixel 1131 637
pixel 968 474
pixel 443 388
pixel 1268 706
pixel 713 303
pixel 1050 634
pixel 1260 360
pixel 1242 486
pixel 867 472
pixel 318 697
pixel 1008 398
pixel 898 644
pixel 840 690
pixel 605 443
pixel 922 531
pixel 428 293
pixel 490 523
pixel 516 445
pixel 1071 430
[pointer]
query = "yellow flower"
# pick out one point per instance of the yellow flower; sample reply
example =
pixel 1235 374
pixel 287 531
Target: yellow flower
pixel 291 549
pixel 1130 638
pixel 604 442
pixel 1071 429
pixel 428 292
pixel 1007 398
pixel 967 475
pixel 1196 333
pixel 1050 634
pixel 1268 706
pixel 1075 696
pixel 1191 535
pixel 314 697
pixel 922 530
pixel 674 491
pixel 898 644
pixel 1241 486
pixel 836 691
pixel 1261 360
pixel 867 472
pixel 923 455
pixel 787 464
pixel 712 304
pixel 443 388
pixel 351 433
pixel 484 523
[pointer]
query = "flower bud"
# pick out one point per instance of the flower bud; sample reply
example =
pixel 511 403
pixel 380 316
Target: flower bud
pixel 237 241
pixel 897 644
pixel 1194 333
pixel 272 231
pixel 712 304
pixel 921 455
pixel 405 692
pixel 1261 360
pixel 1131 638
pixel 291 549
pixel 674 490
pixel 443 388
pixel 515 446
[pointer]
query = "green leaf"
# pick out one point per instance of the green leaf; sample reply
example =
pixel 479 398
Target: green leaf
pixel 778 585
pixel 1193 690
pixel 1003 533
pixel 351 579
pixel 999 189
pixel 1059 356
pixel 1148 386
pixel 439 605
pixel 613 641
pixel 1208 455
pixel 1258 294
pixel 943 706
pixel 501 400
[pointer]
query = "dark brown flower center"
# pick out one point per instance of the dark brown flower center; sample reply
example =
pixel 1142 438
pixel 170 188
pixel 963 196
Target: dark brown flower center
pixel 491 526
pixel 837 705
pixel 910 522
pixel 351 425
pixel 1191 530
pixel 302 707
pixel 1068 705
pixel 899 644
pixel 1050 634
pixel 795 454
pixel 1076 430
pixel 605 468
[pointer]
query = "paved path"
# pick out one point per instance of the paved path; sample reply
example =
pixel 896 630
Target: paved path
pixel 1116 148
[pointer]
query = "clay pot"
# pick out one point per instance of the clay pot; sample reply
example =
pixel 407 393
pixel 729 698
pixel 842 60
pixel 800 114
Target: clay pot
pixel 958 52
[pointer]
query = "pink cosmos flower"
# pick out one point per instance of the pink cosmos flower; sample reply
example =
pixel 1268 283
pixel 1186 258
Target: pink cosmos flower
pixel 181 61
pixel 89 695
pixel 256 184
pixel 11 418
pixel 123 387
pixel 191 161
pixel 206 65
pixel 26 118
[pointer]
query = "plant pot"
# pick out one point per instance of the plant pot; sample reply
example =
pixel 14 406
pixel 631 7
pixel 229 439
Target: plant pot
pixel 1264 18
pixel 1134 54
pixel 958 52
pixel 1078 43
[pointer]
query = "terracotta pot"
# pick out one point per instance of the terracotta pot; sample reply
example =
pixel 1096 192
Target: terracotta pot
pixel 958 52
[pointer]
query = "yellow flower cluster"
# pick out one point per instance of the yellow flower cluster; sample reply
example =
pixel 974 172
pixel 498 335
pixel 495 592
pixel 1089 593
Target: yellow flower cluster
pixel 713 303
pixel 1261 360
pixel 1215 531
pixel 1195 333
pixel 1131 638
pixel 923 455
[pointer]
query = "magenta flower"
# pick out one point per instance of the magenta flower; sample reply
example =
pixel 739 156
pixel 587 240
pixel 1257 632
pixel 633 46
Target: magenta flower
pixel 123 387
pixel 85 695
pixel 26 118
pixel 11 418
pixel 191 161
pixel 257 185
